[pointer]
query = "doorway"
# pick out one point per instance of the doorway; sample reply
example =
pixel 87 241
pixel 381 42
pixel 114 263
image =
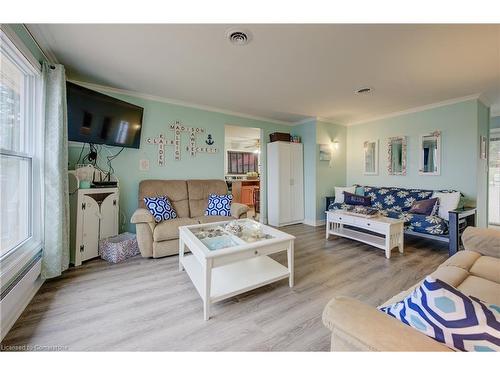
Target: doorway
pixel 243 167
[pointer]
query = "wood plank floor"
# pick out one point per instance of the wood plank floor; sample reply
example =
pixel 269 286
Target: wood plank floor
pixel 147 304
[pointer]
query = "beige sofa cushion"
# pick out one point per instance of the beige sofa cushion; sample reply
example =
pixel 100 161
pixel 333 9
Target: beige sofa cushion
pixel 463 259
pixel 451 275
pixel 483 240
pixel 488 268
pixel 199 190
pixel 169 229
pixel 175 190
pixel 213 219
pixel 485 290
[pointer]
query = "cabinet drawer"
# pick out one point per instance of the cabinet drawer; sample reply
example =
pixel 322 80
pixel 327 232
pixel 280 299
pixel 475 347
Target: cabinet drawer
pixel 371 225
pixel 340 218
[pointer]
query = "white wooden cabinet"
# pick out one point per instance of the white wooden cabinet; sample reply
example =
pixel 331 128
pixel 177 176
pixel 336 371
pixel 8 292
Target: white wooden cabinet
pixel 93 216
pixel 285 183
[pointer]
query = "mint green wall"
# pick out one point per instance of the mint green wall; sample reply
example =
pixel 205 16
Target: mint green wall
pixel 157 117
pixel 495 122
pixel 307 132
pixel 329 173
pixel 483 130
pixel 459 125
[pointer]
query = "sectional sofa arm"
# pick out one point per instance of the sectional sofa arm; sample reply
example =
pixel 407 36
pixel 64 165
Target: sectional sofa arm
pixel 239 210
pixel 360 327
pixel 484 241
pixel 141 215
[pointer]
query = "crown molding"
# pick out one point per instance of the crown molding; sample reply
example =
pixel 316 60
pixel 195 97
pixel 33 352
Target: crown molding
pixel 330 121
pixel 483 98
pixel 304 121
pixel 41 40
pixel 135 94
pixel 419 109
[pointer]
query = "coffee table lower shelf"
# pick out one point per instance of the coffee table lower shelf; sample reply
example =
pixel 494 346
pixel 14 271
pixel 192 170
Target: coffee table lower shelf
pixel 367 238
pixel 235 278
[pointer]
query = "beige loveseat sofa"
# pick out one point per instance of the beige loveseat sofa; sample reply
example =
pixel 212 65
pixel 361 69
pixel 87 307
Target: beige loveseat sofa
pixel 475 271
pixel 190 199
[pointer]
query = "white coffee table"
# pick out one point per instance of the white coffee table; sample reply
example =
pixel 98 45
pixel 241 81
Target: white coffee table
pixel 390 229
pixel 224 265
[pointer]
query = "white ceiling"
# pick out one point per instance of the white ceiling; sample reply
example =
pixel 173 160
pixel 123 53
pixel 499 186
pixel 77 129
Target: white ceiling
pixel 287 72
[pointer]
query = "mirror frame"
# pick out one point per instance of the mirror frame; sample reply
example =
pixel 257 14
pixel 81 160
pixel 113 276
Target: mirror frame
pixel 437 171
pixel 403 155
pixel 376 157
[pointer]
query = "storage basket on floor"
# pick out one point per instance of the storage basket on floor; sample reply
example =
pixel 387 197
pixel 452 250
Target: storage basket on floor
pixel 118 248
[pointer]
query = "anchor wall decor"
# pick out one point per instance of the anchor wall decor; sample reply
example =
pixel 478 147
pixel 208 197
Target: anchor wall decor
pixel 178 129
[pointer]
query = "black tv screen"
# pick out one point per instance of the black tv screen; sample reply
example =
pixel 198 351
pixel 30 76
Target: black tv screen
pixel 101 119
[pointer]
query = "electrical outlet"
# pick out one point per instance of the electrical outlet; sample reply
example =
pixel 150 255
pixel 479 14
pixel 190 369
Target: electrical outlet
pixel 144 165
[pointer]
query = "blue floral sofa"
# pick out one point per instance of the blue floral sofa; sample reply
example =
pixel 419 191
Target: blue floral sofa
pixel 395 202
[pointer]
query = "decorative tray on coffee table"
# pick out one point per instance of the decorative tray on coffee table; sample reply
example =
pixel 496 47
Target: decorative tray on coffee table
pixel 362 211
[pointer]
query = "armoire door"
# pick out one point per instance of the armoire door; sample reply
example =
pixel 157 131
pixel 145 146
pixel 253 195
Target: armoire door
pixel 285 174
pixel 109 216
pixel 89 228
pixel 297 182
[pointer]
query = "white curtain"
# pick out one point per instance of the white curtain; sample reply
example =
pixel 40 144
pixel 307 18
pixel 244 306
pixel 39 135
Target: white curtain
pixel 56 198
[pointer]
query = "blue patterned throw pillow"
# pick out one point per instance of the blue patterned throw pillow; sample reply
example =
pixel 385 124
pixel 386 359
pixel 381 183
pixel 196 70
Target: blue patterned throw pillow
pixel 160 208
pixel 219 205
pixel 444 313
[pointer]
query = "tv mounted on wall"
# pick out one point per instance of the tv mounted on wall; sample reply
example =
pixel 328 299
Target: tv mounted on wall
pixel 101 119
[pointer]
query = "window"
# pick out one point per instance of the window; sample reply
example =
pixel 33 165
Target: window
pixel 242 162
pixel 20 140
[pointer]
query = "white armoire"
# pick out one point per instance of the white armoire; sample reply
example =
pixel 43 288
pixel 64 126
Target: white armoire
pixel 285 183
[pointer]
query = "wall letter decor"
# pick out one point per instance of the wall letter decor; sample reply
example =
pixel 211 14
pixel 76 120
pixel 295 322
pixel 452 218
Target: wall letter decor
pixel 178 128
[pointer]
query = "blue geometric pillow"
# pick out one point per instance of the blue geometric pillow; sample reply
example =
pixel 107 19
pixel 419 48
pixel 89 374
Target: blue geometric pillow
pixel 448 316
pixel 219 205
pixel 160 208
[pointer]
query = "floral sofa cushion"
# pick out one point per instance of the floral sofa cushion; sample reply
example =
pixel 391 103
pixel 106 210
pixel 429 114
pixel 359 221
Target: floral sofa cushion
pixel 398 199
pixel 420 223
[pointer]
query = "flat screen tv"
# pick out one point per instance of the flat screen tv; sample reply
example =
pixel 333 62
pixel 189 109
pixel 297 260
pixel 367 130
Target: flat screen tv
pixel 100 119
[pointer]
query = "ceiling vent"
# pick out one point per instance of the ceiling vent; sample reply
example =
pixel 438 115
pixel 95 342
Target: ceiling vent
pixel 239 37
pixel 364 90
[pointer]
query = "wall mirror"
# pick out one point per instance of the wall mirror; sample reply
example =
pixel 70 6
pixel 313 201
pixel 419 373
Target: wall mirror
pixel 371 157
pixel 396 156
pixel 430 154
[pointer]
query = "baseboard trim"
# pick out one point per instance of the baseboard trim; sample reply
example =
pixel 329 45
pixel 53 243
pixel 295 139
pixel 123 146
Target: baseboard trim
pixel 17 299
pixel 314 223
